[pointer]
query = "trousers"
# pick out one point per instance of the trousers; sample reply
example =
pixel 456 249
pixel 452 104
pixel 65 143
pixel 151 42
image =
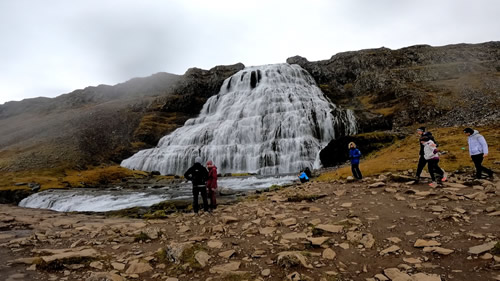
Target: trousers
pixel 213 200
pixel 478 162
pixel 421 164
pixel 199 189
pixel 356 172
pixel 434 170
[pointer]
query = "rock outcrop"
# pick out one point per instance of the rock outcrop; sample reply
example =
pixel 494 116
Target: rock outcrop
pixel 449 85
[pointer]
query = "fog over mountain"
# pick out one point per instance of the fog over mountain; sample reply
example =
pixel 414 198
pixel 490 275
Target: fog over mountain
pixel 53 49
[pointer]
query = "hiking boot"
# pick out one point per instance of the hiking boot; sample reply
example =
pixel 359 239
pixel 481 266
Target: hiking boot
pixel 433 184
pixel 444 179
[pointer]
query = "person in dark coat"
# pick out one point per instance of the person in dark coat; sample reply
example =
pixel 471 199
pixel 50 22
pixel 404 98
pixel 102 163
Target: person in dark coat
pixel 355 155
pixel 198 175
pixel 212 184
pixel 421 160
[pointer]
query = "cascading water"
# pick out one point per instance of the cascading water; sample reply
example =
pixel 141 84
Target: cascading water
pixel 266 119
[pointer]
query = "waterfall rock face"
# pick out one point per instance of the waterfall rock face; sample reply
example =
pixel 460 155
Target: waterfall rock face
pixel 266 119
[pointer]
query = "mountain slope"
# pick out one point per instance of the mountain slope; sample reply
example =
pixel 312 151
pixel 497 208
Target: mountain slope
pixel 104 123
pixel 387 89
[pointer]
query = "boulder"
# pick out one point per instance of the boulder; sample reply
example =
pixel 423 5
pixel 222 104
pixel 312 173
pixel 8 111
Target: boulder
pixel 330 228
pixel 476 250
pixel 317 241
pixel 70 255
pixel 138 267
pixel 224 268
pixel 395 274
pixel 329 254
pixel 420 243
pixel 175 250
pixel 389 250
pixel 202 258
pixel 290 259
pixel 228 219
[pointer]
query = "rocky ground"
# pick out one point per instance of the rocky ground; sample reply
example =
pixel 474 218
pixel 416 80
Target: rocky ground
pixel 382 228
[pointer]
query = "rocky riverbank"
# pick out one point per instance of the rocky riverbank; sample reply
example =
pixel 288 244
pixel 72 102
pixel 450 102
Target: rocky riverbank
pixel 375 229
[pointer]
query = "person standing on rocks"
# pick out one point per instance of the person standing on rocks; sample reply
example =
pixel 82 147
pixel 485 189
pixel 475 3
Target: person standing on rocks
pixel 478 150
pixel 431 155
pixel 355 155
pixel 421 160
pixel 198 175
pixel 212 184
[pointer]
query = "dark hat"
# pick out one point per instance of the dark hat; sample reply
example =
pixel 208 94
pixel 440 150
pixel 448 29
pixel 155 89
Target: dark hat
pixel 421 129
pixel 468 130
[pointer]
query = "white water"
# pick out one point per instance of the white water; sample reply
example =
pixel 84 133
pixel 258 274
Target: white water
pixel 269 119
pixel 91 200
pixel 98 200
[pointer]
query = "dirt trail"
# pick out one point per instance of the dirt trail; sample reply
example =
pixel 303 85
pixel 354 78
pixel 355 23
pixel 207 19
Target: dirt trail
pixel 370 230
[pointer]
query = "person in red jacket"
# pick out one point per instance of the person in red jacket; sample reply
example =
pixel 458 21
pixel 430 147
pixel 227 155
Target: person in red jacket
pixel 212 184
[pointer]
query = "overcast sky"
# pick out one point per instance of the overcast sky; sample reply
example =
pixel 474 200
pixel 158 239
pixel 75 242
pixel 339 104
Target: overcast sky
pixel 53 47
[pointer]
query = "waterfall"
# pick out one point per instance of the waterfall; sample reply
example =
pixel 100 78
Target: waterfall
pixel 268 119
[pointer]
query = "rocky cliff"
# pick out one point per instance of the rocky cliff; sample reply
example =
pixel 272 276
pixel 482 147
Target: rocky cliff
pixel 449 85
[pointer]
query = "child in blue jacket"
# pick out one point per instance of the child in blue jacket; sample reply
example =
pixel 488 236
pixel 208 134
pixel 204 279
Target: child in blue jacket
pixel 354 155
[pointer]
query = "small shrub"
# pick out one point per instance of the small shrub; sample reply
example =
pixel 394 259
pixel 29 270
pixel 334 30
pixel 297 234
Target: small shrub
pixel 142 237
pixel 496 249
pixel 275 187
pixel 317 232
pixel 237 277
pixel 159 214
pixel 161 256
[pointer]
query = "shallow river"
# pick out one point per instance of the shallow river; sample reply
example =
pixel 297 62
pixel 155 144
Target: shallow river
pixel 101 200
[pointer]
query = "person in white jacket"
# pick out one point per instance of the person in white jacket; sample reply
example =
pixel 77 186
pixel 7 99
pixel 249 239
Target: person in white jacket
pixel 432 156
pixel 478 150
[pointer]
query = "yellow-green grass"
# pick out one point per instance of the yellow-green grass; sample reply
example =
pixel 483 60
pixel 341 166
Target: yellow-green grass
pixel 62 178
pixel 400 156
pixel 403 154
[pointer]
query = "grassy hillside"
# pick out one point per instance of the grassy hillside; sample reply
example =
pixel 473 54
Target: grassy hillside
pixel 403 154
pixel 63 178
pixel 400 156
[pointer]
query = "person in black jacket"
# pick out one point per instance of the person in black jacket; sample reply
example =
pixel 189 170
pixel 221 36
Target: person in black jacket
pixel 421 160
pixel 198 175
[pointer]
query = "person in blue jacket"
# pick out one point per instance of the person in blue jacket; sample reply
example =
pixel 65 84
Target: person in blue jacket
pixel 303 177
pixel 478 150
pixel 354 155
